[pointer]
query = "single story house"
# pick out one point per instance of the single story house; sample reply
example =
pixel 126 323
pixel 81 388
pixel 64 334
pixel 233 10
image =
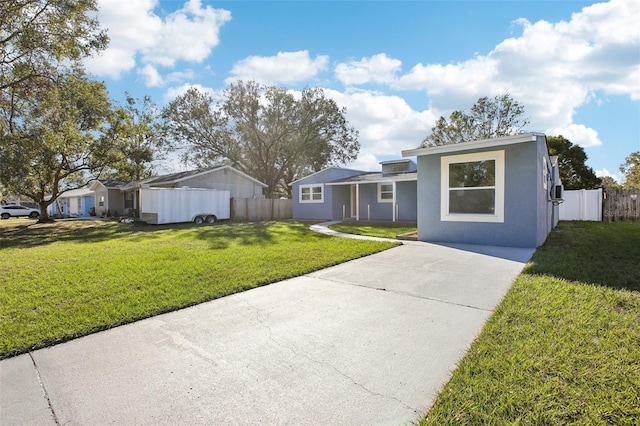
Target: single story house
pixel 338 194
pixel 109 198
pixel 124 198
pixel 74 203
pixel 502 191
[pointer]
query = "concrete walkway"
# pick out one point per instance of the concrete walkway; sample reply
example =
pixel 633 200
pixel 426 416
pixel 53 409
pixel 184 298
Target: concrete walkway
pixel 323 228
pixel 366 342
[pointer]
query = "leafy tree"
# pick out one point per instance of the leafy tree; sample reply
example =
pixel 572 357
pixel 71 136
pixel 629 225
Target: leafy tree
pixel 138 132
pixel 37 36
pixel 488 118
pixel 574 172
pixel 51 116
pixel 609 182
pixel 630 169
pixel 57 140
pixel 264 131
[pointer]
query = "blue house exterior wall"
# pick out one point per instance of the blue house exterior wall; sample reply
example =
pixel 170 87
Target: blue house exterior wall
pixel 369 207
pixel 338 196
pixel 334 196
pixel 527 211
pixel 88 201
pixel 407 199
pixel 341 202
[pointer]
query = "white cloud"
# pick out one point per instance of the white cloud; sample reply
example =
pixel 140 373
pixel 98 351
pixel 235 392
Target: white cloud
pixel 578 134
pixel 386 124
pixel 366 161
pixel 137 33
pixel 179 76
pixel 376 69
pixel 605 172
pixel 151 76
pixel 551 68
pixel 174 92
pixel 285 67
pixel 468 77
pixel 188 34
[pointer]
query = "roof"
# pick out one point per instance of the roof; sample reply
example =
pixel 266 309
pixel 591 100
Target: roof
pixel 376 177
pixel 466 146
pixel 401 160
pixel 109 184
pixel 79 192
pixel 182 176
pixel 325 169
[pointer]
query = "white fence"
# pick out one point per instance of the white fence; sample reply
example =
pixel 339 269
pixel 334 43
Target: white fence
pixel 583 204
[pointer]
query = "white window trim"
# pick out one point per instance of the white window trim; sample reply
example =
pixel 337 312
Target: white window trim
pixel 390 200
pixel 445 161
pixel 311 200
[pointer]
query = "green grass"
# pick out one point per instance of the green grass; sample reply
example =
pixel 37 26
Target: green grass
pixel 68 279
pixel 563 347
pixel 383 230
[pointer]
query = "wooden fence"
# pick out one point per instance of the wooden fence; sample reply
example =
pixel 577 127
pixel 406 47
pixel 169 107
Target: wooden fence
pixel 621 204
pixel 255 209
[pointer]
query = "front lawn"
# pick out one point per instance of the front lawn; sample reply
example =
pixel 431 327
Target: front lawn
pixel 563 347
pixel 68 279
pixel 382 230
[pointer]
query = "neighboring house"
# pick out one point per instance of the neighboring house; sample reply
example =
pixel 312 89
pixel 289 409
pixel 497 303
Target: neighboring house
pixel 239 184
pixel 338 194
pixel 503 191
pixel 124 198
pixel 74 203
pixel 109 198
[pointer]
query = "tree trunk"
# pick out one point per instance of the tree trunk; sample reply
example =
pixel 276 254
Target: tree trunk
pixel 44 214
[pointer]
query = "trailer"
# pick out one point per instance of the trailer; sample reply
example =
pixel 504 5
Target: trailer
pixel 176 205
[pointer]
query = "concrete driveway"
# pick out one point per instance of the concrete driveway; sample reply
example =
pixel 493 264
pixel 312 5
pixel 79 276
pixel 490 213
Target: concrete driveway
pixel 367 342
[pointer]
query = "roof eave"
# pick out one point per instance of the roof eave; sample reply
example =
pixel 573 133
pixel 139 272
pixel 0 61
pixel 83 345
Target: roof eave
pixel 466 146
pixel 381 180
pixel 320 171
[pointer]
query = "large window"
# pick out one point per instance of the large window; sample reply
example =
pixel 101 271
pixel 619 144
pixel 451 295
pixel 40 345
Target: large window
pixel 472 187
pixel 385 192
pixel 311 194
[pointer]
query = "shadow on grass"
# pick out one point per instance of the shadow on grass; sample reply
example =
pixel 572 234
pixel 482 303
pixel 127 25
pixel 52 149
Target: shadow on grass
pixel 35 234
pixel 599 253
pixel 219 235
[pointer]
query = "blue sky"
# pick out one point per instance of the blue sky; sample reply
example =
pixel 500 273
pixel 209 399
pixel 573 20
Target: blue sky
pixel 397 66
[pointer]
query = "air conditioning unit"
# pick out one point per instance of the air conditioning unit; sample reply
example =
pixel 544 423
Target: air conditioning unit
pixel 557 193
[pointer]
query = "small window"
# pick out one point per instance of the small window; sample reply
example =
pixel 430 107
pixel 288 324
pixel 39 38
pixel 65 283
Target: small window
pixel 385 192
pixel 399 167
pixel 311 193
pixel 472 187
pixel 128 200
pixel 545 172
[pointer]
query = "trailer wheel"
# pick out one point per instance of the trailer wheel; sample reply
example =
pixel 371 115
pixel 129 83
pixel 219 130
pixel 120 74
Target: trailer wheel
pixel 199 220
pixel 211 219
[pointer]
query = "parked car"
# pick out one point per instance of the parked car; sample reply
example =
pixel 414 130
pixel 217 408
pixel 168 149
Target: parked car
pixel 16 211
